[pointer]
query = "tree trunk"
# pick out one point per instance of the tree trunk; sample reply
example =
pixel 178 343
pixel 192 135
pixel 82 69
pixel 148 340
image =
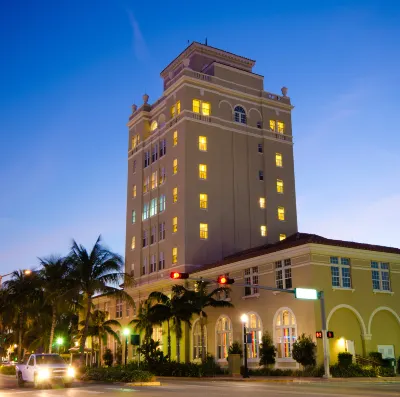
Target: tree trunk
pixel 85 331
pixel 178 349
pixel 203 349
pixel 100 352
pixel 21 324
pixel 169 341
pixel 53 326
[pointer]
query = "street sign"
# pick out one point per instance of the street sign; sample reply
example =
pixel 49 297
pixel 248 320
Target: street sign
pixel 135 340
pixel 306 293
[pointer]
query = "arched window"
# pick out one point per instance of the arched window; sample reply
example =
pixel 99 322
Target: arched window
pixel 240 115
pixel 285 332
pixel 197 347
pixel 153 126
pixel 254 328
pixel 223 330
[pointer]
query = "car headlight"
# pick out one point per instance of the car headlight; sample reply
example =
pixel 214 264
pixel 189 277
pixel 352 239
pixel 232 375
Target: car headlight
pixel 44 374
pixel 71 372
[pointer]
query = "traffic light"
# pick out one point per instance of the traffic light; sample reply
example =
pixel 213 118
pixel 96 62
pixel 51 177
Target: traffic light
pixel 225 280
pixel 318 334
pixel 329 334
pixel 178 275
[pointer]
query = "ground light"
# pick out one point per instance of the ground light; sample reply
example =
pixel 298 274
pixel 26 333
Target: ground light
pixel 59 343
pixel 126 332
pixel 244 319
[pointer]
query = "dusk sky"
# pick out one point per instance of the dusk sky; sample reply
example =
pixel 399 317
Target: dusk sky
pixel 70 71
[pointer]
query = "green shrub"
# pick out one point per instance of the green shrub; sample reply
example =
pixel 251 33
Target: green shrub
pixel 353 370
pixel 117 374
pixel 387 371
pixel 345 359
pixel 376 357
pixel 108 357
pixel 317 371
pixel 7 370
pixel 304 351
pixel 267 350
pixel 235 348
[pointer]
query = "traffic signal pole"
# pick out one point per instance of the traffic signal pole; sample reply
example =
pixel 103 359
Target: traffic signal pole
pixel 325 341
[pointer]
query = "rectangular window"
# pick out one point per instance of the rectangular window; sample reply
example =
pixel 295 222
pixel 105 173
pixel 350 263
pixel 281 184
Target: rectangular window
pixel 178 107
pixel 162 175
pixel 153 207
pixel 206 108
pixel 203 143
pixel 260 148
pixel 204 231
pixel 174 224
pixel 133 216
pixel 175 141
pixel 261 175
pixel 163 147
pixel 146 185
pixel 203 201
pixel 196 106
pixel 202 171
pixel 133 242
pixel 134 142
pixel 118 308
pixel 174 194
pixel 281 213
pixel 134 166
pixel 283 274
pixel 340 272
pixel 134 191
pixel 161 261
pixel 154 180
pixel 153 235
pixel 278 160
pixel 263 230
pixel 262 202
pixel 127 309
pixel 161 228
pixel 380 276
pixel 279 186
pixel 162 203
pixel 145 238
pixel 153 264
pixel 272 125
pixel 154 153
pixel 281 127
pixel 146 211
pixel 282 237
pixel 146 159
pixel 144 266
pixel 174 255
pixel 175 166
pixel 173 110
pixel 251 279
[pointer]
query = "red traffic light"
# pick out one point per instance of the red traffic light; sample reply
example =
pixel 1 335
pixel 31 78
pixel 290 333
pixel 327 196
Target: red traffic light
pixel 329 334
pixel 178 275
pixel 225 280
pixel 318 334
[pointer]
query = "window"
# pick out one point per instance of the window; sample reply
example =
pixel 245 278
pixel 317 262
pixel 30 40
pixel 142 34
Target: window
pixel 162 175
pixel 259 124
pixel 174 224
pixel 174 255
pixel 146 159
pixel 279 186
pixel 380 276
pixel 254 328
pixel 134 191
pixel 203 201
pixel 281 213
pixel 118 308
pixel 176 109
pixel 175 140
pixel 154 180
pixel 162 203
pixel 174 194
pixel 144 266
pixel 262 202
pixel 146 184
pixel 161 229
pixel 203 143
pixel 134 166
pixel 261 175
pixel 146 211
pixel 154 153
pixel 163 147
pixel 223 329
pixel 263 230
pixel 260 148
pixel 157 336
pixel 197 346
pixel 240 115
pixel 201 107
pixel 145 238
pixel 278 160
pixel 133 216
pixel 153 235
pixel 340 272
pixel 251 278
pixel 153 207
pixel 133 242
pixel 127 310
pixel 153 126
pixel 285 333
pixel 175 166
pixel 283 274
pixel 153 264
pixel 282 237
pixel 281 127
pixel 196 106
pixel 135 141
pixel 272 125
pixel 161 261
pixel 202 171
pixel 204 231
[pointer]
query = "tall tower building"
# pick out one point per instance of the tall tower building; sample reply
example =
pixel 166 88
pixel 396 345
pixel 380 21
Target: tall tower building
pixel 210 166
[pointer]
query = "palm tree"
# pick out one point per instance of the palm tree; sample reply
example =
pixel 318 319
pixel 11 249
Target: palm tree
pixel 143 321
pixel 200 298
pixel 97 271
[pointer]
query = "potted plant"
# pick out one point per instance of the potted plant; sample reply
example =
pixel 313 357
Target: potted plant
pixel 235 353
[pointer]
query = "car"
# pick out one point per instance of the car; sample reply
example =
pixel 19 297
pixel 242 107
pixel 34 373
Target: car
pixel 43 369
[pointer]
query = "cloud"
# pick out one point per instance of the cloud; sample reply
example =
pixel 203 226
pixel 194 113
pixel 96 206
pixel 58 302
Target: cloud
pixel 140 46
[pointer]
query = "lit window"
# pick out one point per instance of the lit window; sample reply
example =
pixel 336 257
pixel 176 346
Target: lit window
pixel 173 110
pixel 282 237
pixel 263 230
pixel 260 148
pixel 285 333
pixel 281 213
pixel 133 242
pixel 176 109
pixel 254 332
pixel 262 202
pixel 196 106
pixel 281 127
pixel 174 194
pixel 203 143
pixel 340 272
pixel 133 216
pixel 162 203
pixel 198 345
pixel 153 126
pixel 224 335
pixel 380 276
pixel 203 201
pixel 278 160
pixel 206 108
pixel 272 125
pixel 261 175
pixel 146 211
pixel 154 180
pixel 250 279
pixel 134 191
pixel 240 115
pixel 146 184
pixel 283 274
pixel 162 175
pixel 203 231
pixel 174 255
pixel 175 139
pixel 134 142
pixel 279 186
pixel 153 207
pixel 175 166
pixel 202 171
pixel 174 224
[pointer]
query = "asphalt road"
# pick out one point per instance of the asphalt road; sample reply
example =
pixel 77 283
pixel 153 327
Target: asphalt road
pixel 211 389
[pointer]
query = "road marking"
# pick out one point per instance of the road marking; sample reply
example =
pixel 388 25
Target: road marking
pixel 120 389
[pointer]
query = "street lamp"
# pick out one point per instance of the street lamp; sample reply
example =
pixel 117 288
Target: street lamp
pixel 244 319
pixel 26 272
pixel 59 342
pixel 126 332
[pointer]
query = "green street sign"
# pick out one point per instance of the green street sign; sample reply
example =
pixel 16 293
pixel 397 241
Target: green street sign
pixel 306 293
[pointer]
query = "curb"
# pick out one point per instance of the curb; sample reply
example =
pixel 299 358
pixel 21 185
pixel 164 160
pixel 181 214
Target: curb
pixel 143 384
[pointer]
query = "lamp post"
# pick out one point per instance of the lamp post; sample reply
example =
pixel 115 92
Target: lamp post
pixel 27 272
pixel 244 318
pixel 126 333
pixel 59 342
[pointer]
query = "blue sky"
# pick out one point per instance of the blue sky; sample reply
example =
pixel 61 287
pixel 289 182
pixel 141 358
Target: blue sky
pixel 70 71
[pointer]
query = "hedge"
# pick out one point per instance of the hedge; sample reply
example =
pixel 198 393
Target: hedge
pixel 118 374
pixel 7 370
